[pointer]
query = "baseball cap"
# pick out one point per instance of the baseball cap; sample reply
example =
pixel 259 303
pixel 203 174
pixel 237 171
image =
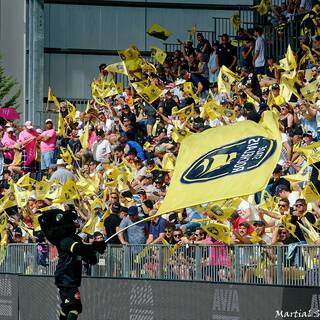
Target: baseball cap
pixel 49 120
pixel 141 191
pixel 132 211
pixel 28 125
pixel 259 223
pixel 116 207
pixel 307 134
pixel 281 187
pixel 10 129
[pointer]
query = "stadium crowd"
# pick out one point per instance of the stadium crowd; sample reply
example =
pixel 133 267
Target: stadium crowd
pixel 113 162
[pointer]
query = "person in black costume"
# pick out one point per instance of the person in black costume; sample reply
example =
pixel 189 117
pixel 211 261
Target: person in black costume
pixel 60 229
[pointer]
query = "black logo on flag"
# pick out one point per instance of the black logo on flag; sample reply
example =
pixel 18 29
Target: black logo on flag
pixel 240 156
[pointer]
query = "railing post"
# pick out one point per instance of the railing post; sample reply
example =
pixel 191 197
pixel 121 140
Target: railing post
pixel 279 265
pixel 198 263
pixel 126 261
pixel 237 263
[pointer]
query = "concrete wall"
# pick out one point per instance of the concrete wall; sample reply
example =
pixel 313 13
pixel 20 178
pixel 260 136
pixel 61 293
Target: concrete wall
pixel 13 41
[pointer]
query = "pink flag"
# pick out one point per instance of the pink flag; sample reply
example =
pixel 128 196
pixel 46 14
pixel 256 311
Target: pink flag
pixel 9 114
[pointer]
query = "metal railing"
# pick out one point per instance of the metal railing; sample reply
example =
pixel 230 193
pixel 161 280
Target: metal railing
pixel 251 264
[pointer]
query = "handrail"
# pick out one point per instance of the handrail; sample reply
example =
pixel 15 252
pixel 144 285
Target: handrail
pixel 286 265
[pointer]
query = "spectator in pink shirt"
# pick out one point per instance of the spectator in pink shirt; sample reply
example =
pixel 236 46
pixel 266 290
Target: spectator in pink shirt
pixel 9 140
pixel 48 140
pixel 28 140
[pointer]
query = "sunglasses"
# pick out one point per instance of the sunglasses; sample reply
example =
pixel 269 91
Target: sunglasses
pixel 177 235
pixel 198 234
pixel 167 231
pixel 282 205
pixel 114 198
pixel 299 205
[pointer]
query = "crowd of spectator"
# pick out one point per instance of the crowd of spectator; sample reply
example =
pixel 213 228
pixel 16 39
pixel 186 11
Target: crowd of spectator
pixel 127 134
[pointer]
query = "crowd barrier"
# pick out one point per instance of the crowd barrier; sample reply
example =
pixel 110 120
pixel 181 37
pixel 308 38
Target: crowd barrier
pixel 290 265
pixel 35 297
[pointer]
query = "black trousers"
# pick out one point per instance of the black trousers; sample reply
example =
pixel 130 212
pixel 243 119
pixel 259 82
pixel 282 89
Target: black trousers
pixel 70 302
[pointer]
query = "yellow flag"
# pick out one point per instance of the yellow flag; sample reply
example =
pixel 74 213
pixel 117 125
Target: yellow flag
pixel 288 63
pixel 231 161
pixel 52 98
pixel 25 182
pixel 285 221
pixel 53 191
pixel 211 109
pixel 71 111
pixel 42 188
pixel 267 201
pixel 185 112
pixel 22 195
pixel 60 125
pixel 7 202
pixel 310 193
pixel 119 87
pixel 308 56
pixel 302 175
pixel 218 231
pixel 100 224
pixel 84 137
pixel 309 232
pixel 311 152
pixel 3 236
pixel 263 7
pixel 67 192
pixel 310 90
pixel 159 32
pixel 223 209
pixel 150 93
pixel 65 155
pixel 118 67
pixel 225 78
pixel 287 85
pixel 187 88
pixel 179 134
pixel 235 21
pixel 158 54
pixel 168 162
pixel 89 227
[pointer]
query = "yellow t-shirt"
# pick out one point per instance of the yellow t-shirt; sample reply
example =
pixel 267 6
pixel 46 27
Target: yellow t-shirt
pixel 279 100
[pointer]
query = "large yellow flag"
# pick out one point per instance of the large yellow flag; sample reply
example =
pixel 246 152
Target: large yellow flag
pixel 309 92
pixel 225 78
pixel 158 54
pixel 224 162
pixel 52 98
pixel 159 32
pixel 22 195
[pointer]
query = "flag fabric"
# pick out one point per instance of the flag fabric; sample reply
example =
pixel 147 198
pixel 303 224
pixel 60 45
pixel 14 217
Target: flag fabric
pixel 9 114
pixel 223 209
pixel 263 7
pixel 288 63
pixel 218 231
pixel 158 54
pixel 52 98
pixel 311 152
pixel 60 125
pixel 235 21
pixel 84 137
pixel 159 32
pixel 185 112
pixel 168 162
pixel 179 134
pixel 310 90
pixel 231 161
pixel 118 67
pixel 225 78
pixel 150 93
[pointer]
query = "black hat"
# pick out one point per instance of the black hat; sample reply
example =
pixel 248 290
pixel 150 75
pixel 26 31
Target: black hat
pixel 116 207
pixel 275 86
pixel 282 187
pixel 259 223
pixel 308 134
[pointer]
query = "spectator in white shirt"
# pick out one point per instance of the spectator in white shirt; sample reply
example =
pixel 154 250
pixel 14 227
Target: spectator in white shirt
pixel 101 148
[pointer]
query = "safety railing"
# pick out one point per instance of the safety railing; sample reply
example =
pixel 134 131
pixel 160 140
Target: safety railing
pixel 251 264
